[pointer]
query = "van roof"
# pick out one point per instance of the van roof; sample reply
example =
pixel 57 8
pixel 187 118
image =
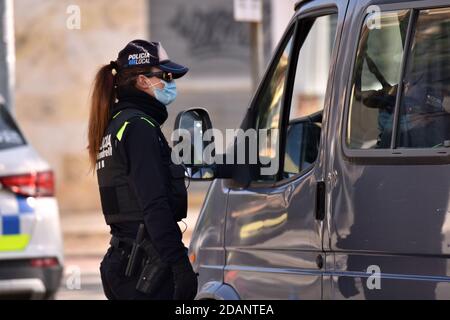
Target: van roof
pixel 299 3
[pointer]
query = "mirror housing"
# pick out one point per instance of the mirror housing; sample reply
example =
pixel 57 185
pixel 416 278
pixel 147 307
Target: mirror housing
pixel 189 149
pixel 190 126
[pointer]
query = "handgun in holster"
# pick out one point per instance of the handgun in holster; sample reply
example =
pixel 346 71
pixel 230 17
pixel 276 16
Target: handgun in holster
pixel 144 258
pixel 137 254
pixel 154 273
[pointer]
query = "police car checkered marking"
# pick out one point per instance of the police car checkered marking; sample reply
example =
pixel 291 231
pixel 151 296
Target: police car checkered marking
pixel 17 220
pixel 8 204
pixel 24 206
pixel 11 225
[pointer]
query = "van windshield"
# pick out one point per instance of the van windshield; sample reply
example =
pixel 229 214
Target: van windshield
pixel 10 135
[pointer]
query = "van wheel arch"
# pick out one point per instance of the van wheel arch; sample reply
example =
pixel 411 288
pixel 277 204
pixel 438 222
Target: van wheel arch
pixel 215 290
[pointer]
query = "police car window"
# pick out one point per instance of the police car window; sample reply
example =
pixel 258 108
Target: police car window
pixel 310 85
pixel 10 135
pixel 375 80
pixel 424 120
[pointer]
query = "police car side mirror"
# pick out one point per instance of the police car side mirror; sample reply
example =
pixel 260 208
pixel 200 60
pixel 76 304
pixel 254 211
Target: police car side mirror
pixel 193 144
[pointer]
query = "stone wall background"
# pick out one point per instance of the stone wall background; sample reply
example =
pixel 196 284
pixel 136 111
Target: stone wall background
pixel 54 72
pixel 55 68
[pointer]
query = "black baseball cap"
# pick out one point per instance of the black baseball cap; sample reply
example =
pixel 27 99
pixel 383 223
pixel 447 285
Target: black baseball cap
pixel 141 53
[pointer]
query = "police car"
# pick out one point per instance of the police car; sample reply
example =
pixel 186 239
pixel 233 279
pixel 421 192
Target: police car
pixel 31 251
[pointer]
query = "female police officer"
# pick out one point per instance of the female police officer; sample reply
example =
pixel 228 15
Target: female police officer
pixel 139 185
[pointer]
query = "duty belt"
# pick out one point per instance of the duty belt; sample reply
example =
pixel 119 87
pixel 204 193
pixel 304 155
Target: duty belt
pixel 121 243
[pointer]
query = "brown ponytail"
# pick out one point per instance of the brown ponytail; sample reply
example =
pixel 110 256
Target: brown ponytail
pixel 102 99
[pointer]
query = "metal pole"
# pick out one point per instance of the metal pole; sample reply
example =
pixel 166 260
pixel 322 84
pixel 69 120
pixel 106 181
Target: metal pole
pixel 7 52
pixel 256 52
pixel 148 4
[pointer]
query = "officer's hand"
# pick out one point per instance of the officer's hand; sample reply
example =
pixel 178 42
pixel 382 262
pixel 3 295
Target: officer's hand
pixel 185 280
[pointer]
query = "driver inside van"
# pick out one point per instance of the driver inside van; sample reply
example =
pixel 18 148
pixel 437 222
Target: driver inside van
pixel 424 119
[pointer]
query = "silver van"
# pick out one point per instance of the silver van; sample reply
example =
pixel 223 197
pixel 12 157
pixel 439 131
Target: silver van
pixel 359 204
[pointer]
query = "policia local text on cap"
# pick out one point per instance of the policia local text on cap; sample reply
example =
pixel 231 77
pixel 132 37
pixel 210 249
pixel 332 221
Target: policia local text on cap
pixel 142 192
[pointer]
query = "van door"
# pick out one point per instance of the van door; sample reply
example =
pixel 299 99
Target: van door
pixel 273 240
pixel 389 185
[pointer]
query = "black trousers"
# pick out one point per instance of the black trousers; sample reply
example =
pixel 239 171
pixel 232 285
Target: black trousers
pixel 119 287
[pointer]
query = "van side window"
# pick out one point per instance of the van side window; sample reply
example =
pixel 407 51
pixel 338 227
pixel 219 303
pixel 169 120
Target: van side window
pixel 269 109
pixel 424 120
pixel 375 81
pixel 270 103
pixel 307 102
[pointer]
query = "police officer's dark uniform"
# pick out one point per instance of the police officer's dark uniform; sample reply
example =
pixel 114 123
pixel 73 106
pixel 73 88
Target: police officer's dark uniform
pixel 139 184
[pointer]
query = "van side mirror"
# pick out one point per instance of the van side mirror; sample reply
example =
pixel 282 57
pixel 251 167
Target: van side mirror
pixel 190 146
pixel 302 146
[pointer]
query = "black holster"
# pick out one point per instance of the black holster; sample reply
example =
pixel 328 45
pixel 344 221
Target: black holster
pixel 137 254
pixel 145 262
pixel 154 272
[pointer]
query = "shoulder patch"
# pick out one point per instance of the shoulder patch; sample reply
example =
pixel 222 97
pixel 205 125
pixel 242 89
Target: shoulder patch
pixel 119 134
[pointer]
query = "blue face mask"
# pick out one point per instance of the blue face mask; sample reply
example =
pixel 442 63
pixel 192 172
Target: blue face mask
pixel 168 94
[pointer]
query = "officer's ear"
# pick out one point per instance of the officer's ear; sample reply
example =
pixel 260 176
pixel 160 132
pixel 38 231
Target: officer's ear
pixel 142 82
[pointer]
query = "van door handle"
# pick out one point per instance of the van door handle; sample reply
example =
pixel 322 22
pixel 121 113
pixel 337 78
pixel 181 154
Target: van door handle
pixel 320 201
